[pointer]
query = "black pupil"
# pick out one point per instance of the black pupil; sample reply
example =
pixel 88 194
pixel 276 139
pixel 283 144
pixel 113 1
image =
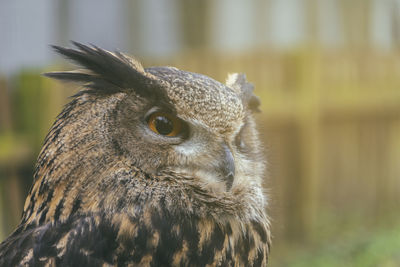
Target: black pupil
pixel 163 125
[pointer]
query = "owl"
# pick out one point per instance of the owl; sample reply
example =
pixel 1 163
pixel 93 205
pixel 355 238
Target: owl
pixel 146 167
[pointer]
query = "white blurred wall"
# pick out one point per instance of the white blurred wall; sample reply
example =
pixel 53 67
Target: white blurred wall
pixel 26 29
pixel 154 27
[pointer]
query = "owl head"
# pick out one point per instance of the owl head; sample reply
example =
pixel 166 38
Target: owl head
pixel 159 119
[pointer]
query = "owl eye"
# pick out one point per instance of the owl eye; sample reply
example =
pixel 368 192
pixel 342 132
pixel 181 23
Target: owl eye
pixel 164 124
pixel 239 142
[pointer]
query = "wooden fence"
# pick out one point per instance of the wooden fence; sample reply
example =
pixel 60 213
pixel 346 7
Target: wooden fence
pixel 330 123
pixel 331 126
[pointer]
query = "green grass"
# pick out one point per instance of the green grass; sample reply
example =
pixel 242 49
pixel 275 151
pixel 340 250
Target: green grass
pixel 380 248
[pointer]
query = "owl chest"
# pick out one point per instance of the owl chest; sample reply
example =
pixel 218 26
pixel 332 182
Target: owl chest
pixel 164 240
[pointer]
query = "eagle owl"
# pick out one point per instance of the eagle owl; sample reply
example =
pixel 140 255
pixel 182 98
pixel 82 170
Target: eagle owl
pixel 146 167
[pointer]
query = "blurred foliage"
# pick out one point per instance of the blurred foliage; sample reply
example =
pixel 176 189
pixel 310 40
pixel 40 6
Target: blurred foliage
pixel 360 249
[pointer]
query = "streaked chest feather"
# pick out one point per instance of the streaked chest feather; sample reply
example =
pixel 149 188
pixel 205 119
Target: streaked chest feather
pixel 155 238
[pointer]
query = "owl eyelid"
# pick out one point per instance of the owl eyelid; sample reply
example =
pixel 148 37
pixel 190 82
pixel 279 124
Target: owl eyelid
pixel 159 110
pixel 162 110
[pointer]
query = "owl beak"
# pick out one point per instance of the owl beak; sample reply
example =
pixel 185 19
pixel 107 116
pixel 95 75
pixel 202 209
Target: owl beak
pixel 228 167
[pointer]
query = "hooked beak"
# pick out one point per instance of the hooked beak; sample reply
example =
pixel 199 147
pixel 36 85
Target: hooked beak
pixel 227 167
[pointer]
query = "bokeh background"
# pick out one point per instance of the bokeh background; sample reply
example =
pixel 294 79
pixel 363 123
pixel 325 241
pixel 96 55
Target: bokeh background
pixel 327 72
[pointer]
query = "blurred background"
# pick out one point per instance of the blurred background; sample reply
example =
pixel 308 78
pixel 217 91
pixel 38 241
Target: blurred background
pixel 327 72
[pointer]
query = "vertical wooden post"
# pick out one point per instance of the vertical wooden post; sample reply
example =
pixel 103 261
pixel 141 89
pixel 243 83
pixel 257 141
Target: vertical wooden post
pixel 62 34
pixel 195 22
pixel 5 126
pixel 311 17
pixel 356 17
pixel 132 16
pixel 308 119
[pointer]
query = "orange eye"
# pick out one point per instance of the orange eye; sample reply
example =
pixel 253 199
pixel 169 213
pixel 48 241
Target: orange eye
pixel 164 124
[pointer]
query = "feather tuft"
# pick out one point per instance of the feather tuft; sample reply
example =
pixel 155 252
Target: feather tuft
pixel 106 72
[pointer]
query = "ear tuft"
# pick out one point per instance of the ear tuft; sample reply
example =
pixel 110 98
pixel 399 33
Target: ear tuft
pixel 238 82
pixel 106 72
